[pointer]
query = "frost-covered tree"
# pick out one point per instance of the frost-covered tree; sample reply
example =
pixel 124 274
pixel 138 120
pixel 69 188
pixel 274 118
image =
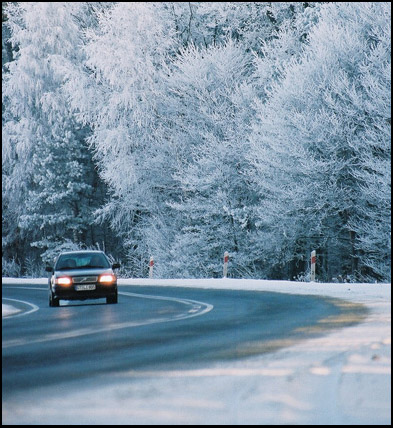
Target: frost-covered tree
pixel 209 111
pixel 283 44
pixel 318 143
pixel 205 24
pixel 121 100
pixel 50 182
pixel 372 96
pixel 258 128
pixel 156 127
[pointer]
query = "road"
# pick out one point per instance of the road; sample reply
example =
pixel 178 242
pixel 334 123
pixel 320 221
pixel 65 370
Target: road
pixel 150 328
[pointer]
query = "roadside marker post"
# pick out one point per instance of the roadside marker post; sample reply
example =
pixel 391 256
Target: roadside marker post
pixel 151 266
pixel 226 259
pixel 313 263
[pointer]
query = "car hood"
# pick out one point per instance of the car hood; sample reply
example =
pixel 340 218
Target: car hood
pixel 82 272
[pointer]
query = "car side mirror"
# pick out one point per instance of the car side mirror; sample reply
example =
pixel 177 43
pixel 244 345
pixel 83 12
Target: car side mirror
pixel 115 265
pixel 49 268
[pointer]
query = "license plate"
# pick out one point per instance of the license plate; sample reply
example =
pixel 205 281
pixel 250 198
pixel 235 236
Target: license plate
pixel 85 287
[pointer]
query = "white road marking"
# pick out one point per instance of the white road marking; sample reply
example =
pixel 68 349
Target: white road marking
pixel 195 310
pixel 33 307
pixel 203 309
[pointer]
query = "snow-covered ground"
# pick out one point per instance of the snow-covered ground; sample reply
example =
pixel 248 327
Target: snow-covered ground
pixel 8 310
pixel 343 377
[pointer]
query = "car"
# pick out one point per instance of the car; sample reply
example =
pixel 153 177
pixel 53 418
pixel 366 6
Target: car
pixel 81 275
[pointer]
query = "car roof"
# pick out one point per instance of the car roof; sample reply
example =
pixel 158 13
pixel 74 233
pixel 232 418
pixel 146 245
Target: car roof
pixel 81 251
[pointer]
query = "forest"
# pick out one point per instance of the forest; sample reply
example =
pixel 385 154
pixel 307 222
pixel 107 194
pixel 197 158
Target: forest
pixel 181 130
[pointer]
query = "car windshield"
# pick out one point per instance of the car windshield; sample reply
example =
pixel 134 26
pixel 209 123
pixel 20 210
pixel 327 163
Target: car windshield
pixel 82 261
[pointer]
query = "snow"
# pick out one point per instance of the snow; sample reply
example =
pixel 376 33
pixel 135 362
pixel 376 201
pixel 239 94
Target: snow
pixel 8 310
pixel 343 377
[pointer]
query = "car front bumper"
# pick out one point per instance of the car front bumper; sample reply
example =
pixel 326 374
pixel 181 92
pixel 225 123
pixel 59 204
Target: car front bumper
pixel 71 293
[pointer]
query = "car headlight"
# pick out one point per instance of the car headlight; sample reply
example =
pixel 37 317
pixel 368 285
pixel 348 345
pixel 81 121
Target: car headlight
pixel 107 278
pixel 64 280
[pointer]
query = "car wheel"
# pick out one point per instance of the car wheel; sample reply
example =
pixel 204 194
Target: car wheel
pixel 111 299
pixel 53 302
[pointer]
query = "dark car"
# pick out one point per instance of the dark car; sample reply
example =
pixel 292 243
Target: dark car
pixel 81 275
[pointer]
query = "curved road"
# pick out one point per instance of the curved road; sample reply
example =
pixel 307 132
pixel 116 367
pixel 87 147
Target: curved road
pixel 151 328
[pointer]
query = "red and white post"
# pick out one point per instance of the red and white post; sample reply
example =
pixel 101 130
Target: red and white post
pixel 151 266
pixel 313 264
pixel 226 259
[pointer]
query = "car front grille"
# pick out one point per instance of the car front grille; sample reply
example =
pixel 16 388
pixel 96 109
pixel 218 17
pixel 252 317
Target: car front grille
pixel 84 279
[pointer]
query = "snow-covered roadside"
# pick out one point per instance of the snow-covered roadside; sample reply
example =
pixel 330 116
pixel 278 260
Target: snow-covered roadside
pixel 7 310
pixel 343 377
pixel 357 292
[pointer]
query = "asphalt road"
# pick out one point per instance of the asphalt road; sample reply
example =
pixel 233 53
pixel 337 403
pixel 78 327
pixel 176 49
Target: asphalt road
pixel 154 328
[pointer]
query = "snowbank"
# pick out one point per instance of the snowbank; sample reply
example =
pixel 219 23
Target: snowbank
pixel 7 310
